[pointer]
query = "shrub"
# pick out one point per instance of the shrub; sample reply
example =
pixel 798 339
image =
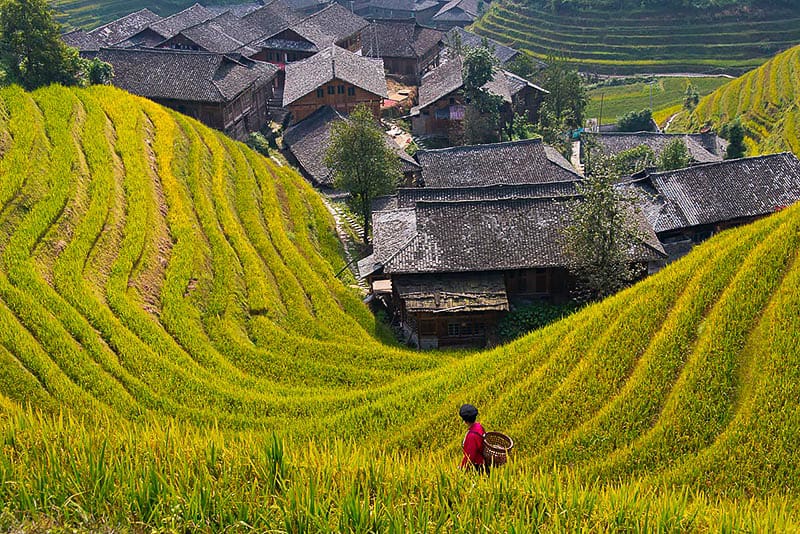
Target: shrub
pixel 530 317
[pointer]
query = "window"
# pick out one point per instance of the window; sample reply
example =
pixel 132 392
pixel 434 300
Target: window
pixel 453 329
pixel 542 281
pixel 452 100
pixel 320 93
pixel 351 91
pixel 270 56
pixel 331 89
pixel 341 89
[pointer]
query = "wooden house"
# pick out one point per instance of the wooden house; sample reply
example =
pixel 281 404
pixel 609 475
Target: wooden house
pixel 225 93
pixel 441 107
pixel 168 27
pixel 407 49
pixel 334 77
pixel 419 11
pixel 222 34
pixel 687 206
pixel 457 13
pixel 307 142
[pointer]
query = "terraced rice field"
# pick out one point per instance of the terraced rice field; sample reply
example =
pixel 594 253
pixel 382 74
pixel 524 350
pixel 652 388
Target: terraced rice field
pixel 667 92
pixel 768 101
pixel 614 42
pixel 178 356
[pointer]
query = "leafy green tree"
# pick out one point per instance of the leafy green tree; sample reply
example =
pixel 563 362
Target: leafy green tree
pixel 567 96
pixel 524 66
pixel 362 163
pixel 98 72
pixel 31 50
pixel 601 236
pixel 636 121
pixel 674 156
pixel 625 163
pixel 691 98
pixel 482 115
pixel 734 133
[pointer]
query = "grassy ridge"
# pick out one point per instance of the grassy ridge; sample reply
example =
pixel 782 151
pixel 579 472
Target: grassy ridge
pixel 617 42
pixel 175 352
pixel 766 99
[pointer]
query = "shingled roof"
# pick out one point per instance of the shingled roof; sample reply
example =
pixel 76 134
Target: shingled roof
pixel 503 53
pixel 179 75
pixel 516 162
pixel 273 18
pixel 403 5
pixel 83 41
pixel 703 148
pixel 449 77
pixel 330 25
pixel 171 26
pixel 333 63
pixel 494 235
pixel 239 10
pixel 309 139
pixel 124 28
pixel 458 11
pixel 399 39
pixel 407 197
pixel 719 192
pixel 223 34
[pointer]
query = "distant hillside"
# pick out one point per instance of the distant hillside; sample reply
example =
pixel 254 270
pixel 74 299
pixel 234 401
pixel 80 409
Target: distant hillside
pixel 90 14
pixel 615 41
pixel 168 306
pixel 768 101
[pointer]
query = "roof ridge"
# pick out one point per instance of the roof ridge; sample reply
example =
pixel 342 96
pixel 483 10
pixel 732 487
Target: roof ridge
pixel 723 162
pixel 462 148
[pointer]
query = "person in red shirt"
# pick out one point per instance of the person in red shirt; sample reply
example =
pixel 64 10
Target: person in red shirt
pixel 473 441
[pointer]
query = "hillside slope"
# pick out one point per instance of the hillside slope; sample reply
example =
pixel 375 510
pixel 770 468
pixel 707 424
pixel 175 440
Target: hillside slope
pixel 167 301
pixel 768 101
pixel 90 14
pixel 623 41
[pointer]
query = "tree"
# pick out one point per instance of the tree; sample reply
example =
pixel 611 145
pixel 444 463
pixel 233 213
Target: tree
pixel 691 98
pixel 31 50
pixel 567 98
pixel 674 156
pixel 362 163
pixel 625 163
pixel 482 115
pixel 734 133
pixel 636 121
pixel 98 72
pixel 524 66
pixel 601 237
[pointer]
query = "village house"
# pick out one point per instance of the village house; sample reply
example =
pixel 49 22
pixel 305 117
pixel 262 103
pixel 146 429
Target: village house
pixel 307 142
pixel 408 50
pixel 224 93
pixel 273 18
pixel 419 11
pixel 702 147
pixel 687 206
pixel 168 27
pixel 333 25
pixel 441 108
pixel 223 34
pixel 458 13
pixel 451 262
pixel 460 37
pixel 334 77
pixel 110 34
pixel 511 163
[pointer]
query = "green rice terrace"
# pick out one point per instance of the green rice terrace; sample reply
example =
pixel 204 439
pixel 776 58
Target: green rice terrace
pixel 622 41
pixel 177 355
pixel 91 13
pixel 767 100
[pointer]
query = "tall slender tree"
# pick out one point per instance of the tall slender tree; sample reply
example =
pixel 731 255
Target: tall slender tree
pixel 362 162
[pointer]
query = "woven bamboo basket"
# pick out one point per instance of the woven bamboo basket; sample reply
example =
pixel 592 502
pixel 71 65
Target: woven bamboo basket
pixel 495 448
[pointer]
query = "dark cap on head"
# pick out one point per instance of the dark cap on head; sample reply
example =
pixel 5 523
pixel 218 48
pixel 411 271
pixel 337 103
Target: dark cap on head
pixel 468 413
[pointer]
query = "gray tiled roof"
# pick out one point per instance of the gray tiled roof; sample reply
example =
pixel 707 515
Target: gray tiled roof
pixel 517 162
pixel 189 76
pixel 458 10
pixel 703 148
pixel 330 25
pixel 719 192
pixel 503 53
pixel 223 34
pixel 303 77
pixel 465 292
pixel 408 196
pixel 399 39
pixel 448 77
pixel 273 18
pixel 82 40
pixel 171 26
pixel 309 139
pixel 124 28
pixel 239 10
pixel 493 235
pixel 403 5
